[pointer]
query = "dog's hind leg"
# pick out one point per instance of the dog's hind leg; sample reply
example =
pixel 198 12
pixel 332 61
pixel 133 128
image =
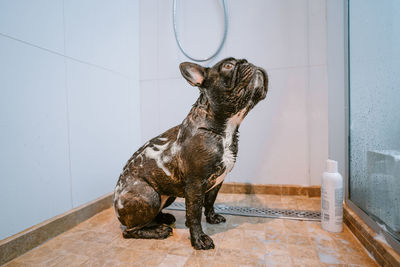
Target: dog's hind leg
pixel 137 205
pixel 166 218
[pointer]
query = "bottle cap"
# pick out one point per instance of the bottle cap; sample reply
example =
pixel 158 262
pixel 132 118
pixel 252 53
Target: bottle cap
pixel 331 166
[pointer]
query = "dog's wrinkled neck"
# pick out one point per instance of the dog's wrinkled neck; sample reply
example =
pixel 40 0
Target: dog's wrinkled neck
pixel 213 118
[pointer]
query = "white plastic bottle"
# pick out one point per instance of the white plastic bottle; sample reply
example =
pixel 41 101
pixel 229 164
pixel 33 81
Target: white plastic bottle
pixel 332 198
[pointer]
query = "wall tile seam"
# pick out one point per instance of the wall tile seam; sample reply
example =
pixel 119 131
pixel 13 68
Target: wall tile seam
pixel 67 110
pixel 68 131
pixel 308 120
pixel 267 69
pixel 158 66
pixel 310 174
pixel 158 40
pixel 65 56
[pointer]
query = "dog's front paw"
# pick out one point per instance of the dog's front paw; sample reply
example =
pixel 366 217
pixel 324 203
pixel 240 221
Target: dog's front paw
pixel 202 241
pixel 215 218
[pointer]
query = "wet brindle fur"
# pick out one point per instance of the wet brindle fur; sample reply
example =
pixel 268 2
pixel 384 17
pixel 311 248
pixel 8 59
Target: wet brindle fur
pixel 190 160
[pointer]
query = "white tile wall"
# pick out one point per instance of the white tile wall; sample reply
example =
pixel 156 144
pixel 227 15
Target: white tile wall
pixel 134 109
pixel 100 139
pixel 288 38
pixel 273 138
pixel 317 121
pixel 148 40
pixel 317 90
pixel 272 34
pixel 102 33
pixel 336 76
pixel 200 26
pixel 176 100
pixel 149 113
pixel 317 32
pixel 33 137
pixel 164 104
pixel 37 22
pixel 68 118
pixel 167 51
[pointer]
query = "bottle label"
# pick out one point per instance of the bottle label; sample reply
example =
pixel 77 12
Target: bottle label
pixel 338 205
pixel 324 200
pixel 325 216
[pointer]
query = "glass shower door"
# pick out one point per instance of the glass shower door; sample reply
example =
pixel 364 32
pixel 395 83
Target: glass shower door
pixel 374 110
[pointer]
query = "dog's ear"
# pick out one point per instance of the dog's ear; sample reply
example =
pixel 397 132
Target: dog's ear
pixel 193 73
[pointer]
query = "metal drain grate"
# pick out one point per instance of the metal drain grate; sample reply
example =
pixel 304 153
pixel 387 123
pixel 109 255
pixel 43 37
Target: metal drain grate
pixel 306 215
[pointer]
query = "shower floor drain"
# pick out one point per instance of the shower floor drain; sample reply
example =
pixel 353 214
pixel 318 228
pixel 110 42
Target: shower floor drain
pixel 305 215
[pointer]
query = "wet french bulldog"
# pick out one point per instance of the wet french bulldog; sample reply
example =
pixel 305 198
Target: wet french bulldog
pixel 192 159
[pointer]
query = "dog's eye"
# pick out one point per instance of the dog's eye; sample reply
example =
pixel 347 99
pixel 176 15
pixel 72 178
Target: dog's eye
pixel 228 66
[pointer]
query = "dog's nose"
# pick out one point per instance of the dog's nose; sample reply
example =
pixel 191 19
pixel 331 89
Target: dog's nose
pixel 262 80
pixel 262 72
pixel 259 78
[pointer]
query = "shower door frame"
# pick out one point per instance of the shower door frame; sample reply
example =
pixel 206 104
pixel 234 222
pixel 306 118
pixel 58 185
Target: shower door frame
pixel 363 215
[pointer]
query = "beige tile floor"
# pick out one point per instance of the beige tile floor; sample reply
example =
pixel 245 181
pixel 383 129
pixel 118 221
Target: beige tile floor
pixel 241 241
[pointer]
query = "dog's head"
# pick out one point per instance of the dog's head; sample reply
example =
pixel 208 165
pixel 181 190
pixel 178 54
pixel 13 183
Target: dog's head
pixel 230 86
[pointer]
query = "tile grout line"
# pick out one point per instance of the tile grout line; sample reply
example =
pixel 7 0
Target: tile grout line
pixel 67 109
pixel 267 69
pixel 139 83
pixel 158 67
pixel 307 96
pixel 65 56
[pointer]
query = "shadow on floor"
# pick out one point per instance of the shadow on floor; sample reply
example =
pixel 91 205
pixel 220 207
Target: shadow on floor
pixel 232 221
